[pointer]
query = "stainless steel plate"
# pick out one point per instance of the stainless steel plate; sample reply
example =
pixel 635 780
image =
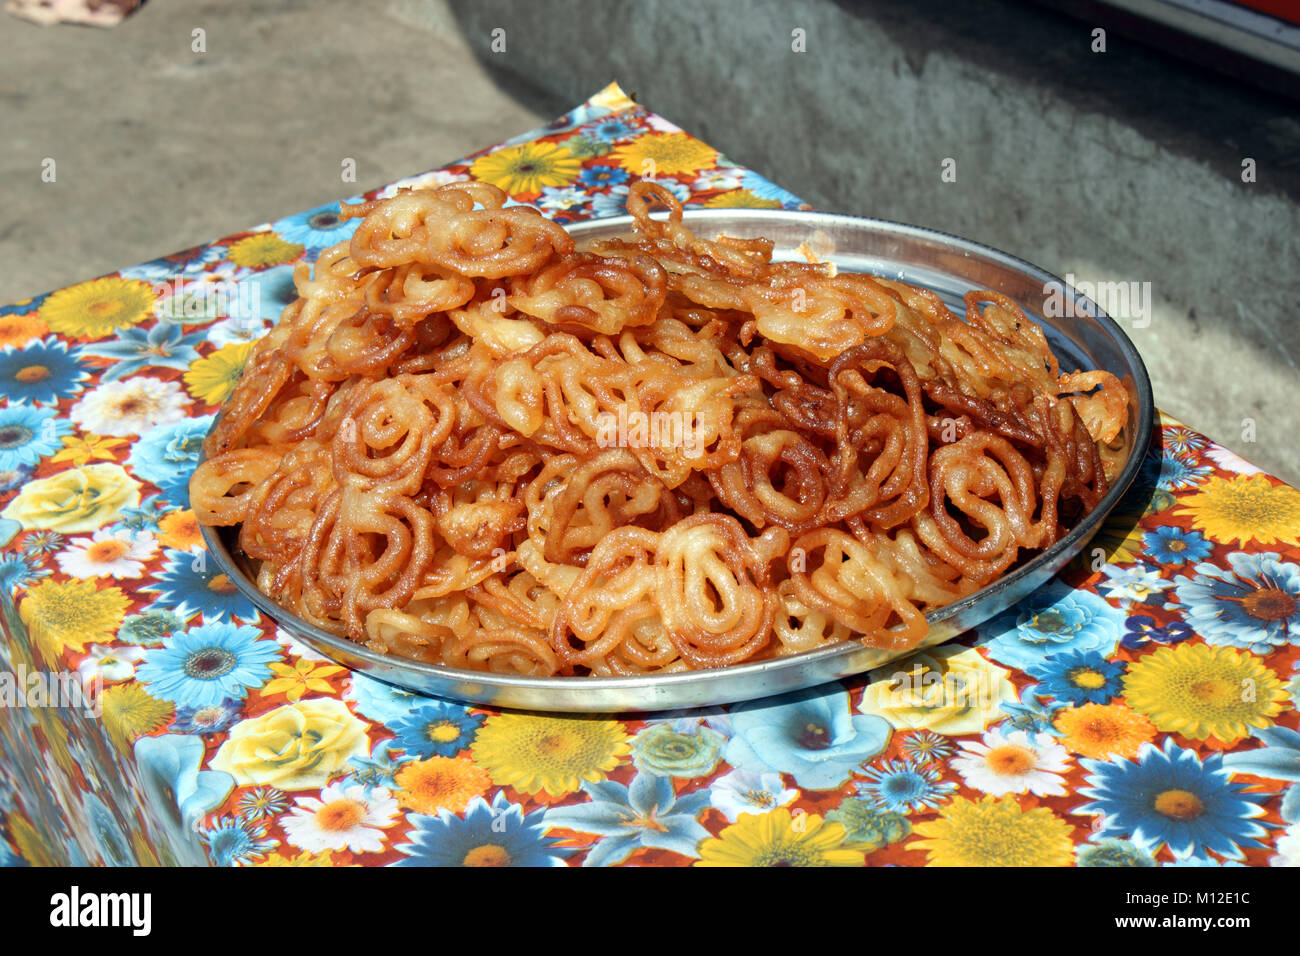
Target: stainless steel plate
pixel 946 264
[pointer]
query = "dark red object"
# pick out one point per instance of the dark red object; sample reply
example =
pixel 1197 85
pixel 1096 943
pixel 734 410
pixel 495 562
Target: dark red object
pixel 1288 10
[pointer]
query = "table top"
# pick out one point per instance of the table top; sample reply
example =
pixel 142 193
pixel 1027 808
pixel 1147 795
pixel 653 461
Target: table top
pixel 1140 710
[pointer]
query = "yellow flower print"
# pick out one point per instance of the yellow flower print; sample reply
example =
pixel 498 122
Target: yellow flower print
pixel 780 838
pixel 527 168
pixel 294 680
pixel 129 711
pixel 1245 508
pixel 263 250
pixel 665 154
pixel 949 690
pixel 298 746
pixel 33 847
pixel 212 379
pixel 613 99
pixel 80 499
pixel 81 450
pixel 1201 691
pixel 995 832
pixel 741 199
pixel 63 614
pixel 96 308
pixel 323 858
pixel 533 753
pixel 1120 540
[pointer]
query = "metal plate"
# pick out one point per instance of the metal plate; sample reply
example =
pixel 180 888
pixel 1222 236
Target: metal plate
pixel 950 266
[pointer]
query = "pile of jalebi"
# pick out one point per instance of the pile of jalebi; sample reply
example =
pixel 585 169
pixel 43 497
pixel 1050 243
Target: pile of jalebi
pixel 470 444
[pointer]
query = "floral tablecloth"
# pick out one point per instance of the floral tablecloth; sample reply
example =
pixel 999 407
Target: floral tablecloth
pixel 1138 711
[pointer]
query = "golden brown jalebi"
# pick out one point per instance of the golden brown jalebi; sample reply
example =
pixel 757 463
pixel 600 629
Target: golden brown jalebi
pixel 468 443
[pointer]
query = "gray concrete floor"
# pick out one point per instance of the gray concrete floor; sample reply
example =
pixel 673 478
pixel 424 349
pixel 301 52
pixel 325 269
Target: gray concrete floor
pixel 159 148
